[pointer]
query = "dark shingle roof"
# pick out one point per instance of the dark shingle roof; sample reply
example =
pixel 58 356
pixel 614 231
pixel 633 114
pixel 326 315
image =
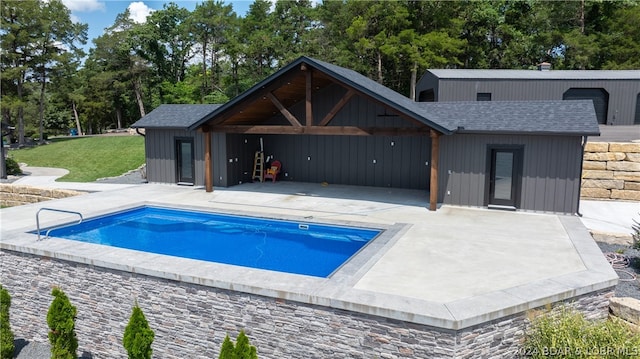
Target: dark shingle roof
pixel 174 116
pixel 508 117
pixel 515 117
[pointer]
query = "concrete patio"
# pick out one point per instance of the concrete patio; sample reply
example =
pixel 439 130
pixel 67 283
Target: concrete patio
pixel 453 268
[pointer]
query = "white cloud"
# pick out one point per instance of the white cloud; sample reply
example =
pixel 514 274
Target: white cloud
pixel 84 5
pixel 139 11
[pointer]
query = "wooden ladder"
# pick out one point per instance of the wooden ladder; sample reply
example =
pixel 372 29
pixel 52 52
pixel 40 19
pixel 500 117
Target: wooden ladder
pixel 258 164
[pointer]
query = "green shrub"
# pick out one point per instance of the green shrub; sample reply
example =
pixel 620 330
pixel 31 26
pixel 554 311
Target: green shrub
pixel 12 167
pixel 138 336
pixel 227 349
pixel 567 334
pixel 6 335
pixel 61 320
pixel 241 350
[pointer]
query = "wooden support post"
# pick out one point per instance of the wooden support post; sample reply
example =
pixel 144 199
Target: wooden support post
pixel 309 107
pixel 208 172
pixel 435 155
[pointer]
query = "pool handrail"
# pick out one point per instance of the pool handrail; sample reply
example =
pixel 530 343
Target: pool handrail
pixel 54 227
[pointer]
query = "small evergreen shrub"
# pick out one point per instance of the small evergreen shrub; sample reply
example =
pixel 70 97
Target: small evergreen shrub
pixel 6 335
pixel 241 350
pixel 61 320
pixel 13 168
pixel 138 336
pixel 227 349
pixel 567 334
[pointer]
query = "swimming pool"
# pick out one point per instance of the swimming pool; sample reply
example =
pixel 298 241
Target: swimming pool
pixel 285 246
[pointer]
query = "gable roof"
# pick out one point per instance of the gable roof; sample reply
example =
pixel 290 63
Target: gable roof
pixel 575 118
pixel 347 77
pixel 559 117
pixel 496 74
pixel 175 116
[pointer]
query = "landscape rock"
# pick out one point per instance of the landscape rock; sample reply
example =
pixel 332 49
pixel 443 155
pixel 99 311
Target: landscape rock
pixel 626 308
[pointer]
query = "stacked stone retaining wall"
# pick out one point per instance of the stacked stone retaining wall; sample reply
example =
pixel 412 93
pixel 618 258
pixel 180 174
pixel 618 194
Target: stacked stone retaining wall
pixel 191 321
pixel 611 170
pixel 17 195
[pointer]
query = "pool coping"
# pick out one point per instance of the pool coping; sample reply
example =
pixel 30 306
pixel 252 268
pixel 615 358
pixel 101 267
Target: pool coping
pixel 337 291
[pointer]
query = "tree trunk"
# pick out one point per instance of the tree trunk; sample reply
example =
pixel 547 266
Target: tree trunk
pixel 20 114
pixel 414 75
pixel 119 116
pixel 379 67
pixel 203 89
pixel 41 107
pixel 582 17
pixel 75 115
pixel 137 88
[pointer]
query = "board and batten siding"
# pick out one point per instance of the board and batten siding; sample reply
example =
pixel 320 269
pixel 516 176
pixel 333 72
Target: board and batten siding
pixel 623 94
pixel 550 172
pixel 380 161
pixel 160 152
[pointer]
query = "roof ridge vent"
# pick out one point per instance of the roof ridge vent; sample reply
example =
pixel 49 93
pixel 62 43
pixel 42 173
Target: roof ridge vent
pixel 544 66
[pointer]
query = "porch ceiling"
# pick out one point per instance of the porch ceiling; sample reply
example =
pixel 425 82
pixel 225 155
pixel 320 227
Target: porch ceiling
pixel 266 108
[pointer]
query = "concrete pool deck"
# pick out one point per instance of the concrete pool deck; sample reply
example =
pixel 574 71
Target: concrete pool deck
pixel 453 268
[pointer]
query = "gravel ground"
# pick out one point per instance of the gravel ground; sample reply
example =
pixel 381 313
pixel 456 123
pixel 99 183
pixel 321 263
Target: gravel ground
pixel 629 284
pixel 131 177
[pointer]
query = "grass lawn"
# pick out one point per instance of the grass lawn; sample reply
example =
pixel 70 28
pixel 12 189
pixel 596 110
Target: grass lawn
pixel 86 158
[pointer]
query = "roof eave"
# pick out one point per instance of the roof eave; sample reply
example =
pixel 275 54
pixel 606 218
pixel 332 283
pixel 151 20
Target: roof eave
pixel 533 133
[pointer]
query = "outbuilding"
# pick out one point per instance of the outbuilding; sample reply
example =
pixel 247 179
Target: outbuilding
pixel 615 93
pixel 325 123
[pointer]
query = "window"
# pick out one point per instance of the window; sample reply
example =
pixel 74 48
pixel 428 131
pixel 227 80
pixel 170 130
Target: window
pixel 483 96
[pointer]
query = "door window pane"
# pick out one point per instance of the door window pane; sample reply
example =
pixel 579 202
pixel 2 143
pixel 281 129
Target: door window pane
pixel 503 175
pixel 186 168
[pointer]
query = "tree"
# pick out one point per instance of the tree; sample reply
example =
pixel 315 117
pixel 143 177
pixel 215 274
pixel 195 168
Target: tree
pixel 61 320
pixel 138 336
pixel 56 35
pixel 6 335
pixel 212 25
pixel 258 40
pixel 19 22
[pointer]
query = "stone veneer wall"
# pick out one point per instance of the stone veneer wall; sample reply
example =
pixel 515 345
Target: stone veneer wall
pixel 190 321
pixel 16 195
pixel 611 170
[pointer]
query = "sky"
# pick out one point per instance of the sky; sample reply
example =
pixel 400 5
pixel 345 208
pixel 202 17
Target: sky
pixel 100 14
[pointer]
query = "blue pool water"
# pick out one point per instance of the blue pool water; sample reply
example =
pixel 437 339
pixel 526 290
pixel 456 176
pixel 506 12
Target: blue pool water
pixel 301 248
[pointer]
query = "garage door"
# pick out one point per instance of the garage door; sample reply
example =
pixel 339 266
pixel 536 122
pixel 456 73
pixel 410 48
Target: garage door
pixel 599 96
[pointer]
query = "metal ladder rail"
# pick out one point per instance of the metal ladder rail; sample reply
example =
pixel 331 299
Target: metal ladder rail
pixel 54 227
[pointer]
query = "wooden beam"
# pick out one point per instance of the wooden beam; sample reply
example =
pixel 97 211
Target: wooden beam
pixel 308 104
pixel 208 172
pixel 290 130
pixel 435 155
pixel 290 117
pixel 322 130
pixel 257 95
pixel 337 107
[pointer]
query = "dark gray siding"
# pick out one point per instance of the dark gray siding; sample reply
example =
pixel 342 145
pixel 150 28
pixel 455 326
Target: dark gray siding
pixel 551 170
pixel 161 154
pixel 622 93
pixel 400 161
pixel 350 159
